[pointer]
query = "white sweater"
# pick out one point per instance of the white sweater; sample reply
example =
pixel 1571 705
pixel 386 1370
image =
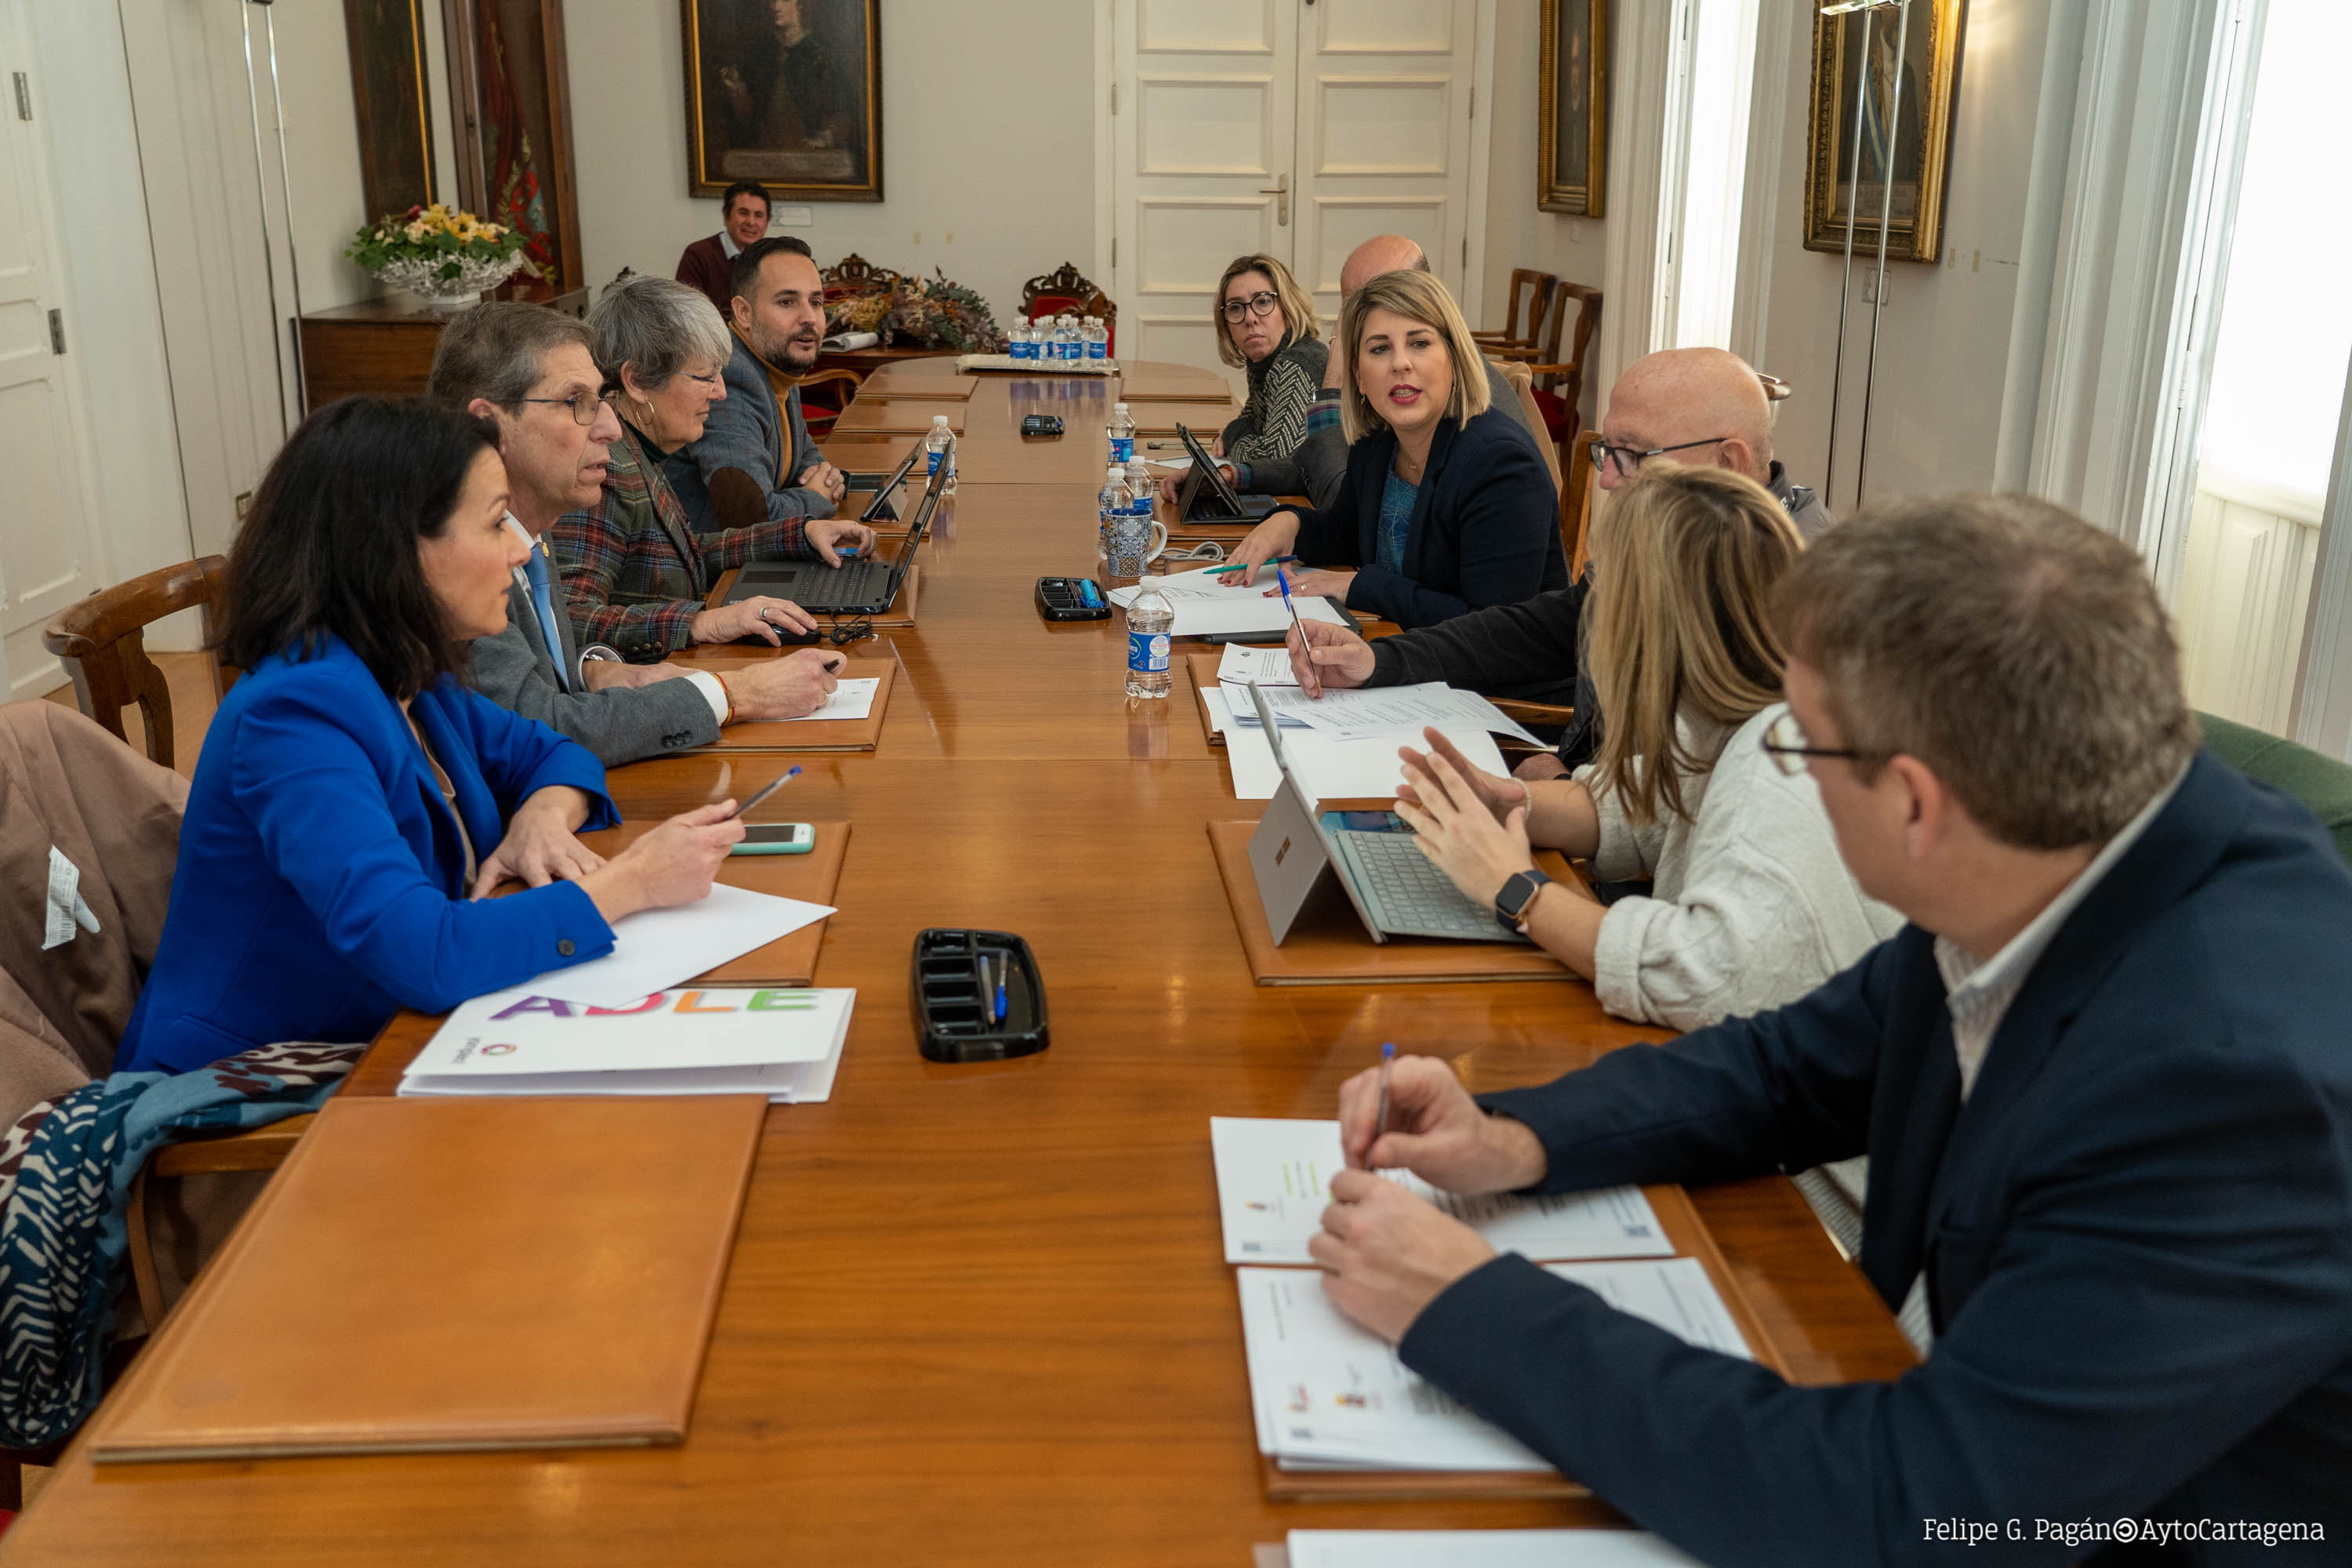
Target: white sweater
pixel 1750 906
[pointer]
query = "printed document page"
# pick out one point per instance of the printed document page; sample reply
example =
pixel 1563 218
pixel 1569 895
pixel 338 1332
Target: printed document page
pixel 1483 1549
pixel 656 949
pixel 1327 1392
pixel 1387 710
pixel 1330 768
pixel 1207 604
pixel 1241 664
pixel 1273 1180
pixel 850 700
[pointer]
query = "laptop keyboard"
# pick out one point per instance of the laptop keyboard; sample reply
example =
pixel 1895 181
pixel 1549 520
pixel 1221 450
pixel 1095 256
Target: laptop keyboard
pixel 1408 896
pixel 817 586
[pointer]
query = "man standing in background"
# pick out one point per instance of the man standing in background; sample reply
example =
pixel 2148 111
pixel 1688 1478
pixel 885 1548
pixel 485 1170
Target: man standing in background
pixel 708 264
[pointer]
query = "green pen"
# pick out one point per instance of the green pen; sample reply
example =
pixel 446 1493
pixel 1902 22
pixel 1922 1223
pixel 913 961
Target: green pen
pixel 1219 571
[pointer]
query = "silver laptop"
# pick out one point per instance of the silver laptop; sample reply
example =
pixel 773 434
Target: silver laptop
pixel 1390 884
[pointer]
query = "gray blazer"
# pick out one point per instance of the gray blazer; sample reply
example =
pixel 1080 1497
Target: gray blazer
pixel 619 724
pixel 1320 462
pixel 748 430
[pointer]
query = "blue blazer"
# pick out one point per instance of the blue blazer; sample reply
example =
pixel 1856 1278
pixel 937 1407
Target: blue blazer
pixel 1485 524
pixel 320 884
pixel 2136 1234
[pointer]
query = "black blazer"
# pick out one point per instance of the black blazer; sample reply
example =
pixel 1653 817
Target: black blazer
pixel 1485 524
pixel 2136 1234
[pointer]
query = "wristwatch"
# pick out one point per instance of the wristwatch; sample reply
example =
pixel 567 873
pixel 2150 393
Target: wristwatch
pixel 597 653
pixel 1511 904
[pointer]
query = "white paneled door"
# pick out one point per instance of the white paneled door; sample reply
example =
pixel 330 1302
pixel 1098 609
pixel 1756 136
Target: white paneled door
pixel 45 546
pixel 1297 128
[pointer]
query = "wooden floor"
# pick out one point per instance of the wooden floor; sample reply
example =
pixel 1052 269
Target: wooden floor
pixel 191 707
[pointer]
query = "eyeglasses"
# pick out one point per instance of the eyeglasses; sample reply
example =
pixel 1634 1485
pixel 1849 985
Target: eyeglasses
pixel 1258 304
pixel 1630 457
pixel 582 405
pixel 1784 742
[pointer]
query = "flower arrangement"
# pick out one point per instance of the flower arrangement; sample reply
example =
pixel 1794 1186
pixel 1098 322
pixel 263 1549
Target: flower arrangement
pixel 441 254
pixel 932 313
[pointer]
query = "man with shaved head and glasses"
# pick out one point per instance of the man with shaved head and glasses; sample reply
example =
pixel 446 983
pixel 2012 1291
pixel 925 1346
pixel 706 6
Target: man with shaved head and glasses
pixel 1704 407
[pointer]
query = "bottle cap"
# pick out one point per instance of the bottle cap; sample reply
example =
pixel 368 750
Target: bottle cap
pixel 1118 408
pixel 938 420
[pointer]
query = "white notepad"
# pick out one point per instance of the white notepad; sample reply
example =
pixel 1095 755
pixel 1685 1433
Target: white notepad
pixel 1209 604
pixel 1273 1184
pixel 1330 768
pixel 1483 1549
pixel 852 698
pixel 781 1041
pixel 1328 1394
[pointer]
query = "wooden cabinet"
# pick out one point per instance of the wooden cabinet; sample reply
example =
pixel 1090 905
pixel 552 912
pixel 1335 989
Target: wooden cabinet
pixel 380 347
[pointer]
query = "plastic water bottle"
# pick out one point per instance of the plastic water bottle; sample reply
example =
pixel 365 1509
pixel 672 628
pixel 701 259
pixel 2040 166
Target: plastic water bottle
pixel 1112 503
pixel 1149 621
pixel 1066 339
pixel 1122 435
pixel 1018 344
pixel 939 447
pixel 1140 486
pixel 1098 339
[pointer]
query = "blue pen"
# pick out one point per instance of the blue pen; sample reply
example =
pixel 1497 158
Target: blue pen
pixel 1380 1116
pixel 1286 604
pixel 1003 962
pixel 788 776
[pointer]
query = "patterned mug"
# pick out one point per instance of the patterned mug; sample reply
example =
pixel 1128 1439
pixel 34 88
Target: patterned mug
pixel 1132 544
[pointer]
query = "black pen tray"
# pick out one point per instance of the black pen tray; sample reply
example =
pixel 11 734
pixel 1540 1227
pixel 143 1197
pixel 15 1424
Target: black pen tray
pixel 955 1008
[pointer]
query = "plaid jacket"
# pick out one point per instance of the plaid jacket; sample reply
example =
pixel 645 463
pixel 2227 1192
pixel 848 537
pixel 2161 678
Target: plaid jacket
pixel 634 572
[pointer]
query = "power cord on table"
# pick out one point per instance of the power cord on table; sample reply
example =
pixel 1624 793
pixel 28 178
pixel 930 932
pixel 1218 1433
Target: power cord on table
pixel 1207 550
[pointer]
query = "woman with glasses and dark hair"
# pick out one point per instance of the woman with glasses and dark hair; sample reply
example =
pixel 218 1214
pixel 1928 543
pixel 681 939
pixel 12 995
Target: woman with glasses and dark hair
pixel 1694 788
pixel 1266 325
pixel 634 571
pixel 1446 506
pixel 355 801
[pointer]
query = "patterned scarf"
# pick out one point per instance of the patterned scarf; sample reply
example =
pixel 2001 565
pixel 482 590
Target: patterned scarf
pixel 66 1172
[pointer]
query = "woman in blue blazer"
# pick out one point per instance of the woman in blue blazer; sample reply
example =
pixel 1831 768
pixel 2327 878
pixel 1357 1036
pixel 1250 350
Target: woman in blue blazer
pixel 1446 506
pixel 351 794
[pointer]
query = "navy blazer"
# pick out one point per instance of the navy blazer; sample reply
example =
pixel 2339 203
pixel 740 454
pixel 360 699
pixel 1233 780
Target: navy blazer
pixel 320 884
pixel 1485 524
pixel 2136 1234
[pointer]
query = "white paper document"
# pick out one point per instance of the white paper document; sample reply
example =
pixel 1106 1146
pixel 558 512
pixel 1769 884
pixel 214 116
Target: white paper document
pixel 850 700
pixel 1207 604
pixel 1327 1395
pixel 782 1042
pixel 653 950
pixel 1241 664
pixel 1385 710
pixel 1273 1184
pixel 1483 1549
pixel 1330 768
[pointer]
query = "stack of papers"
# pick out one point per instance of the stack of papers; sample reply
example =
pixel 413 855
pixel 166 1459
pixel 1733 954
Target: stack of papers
pixel 1483 1549
pixel 1330 1396
pixel 1209 606
pixel 1272 1179
pixel 784 1044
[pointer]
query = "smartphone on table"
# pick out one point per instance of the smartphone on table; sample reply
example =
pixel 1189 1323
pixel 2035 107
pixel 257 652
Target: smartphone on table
pixel 776 838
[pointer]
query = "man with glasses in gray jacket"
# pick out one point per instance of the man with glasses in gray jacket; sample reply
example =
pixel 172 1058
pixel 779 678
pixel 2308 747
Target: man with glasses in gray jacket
pixel 528 370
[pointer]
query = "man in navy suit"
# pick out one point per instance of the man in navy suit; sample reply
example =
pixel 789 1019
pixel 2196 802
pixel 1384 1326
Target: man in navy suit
pixel 2104 1080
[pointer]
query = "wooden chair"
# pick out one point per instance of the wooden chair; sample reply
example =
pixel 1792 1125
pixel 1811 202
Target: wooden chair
pixel 1066 290
pixel 819 418
pixel 852 274
pixel 1560 380
pixel 101 642
pixel 1534 289
pixel 1515 373
pixel 1576 503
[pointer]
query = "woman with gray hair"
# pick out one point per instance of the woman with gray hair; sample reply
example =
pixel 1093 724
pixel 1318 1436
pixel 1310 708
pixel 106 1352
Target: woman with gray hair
pixel 634 572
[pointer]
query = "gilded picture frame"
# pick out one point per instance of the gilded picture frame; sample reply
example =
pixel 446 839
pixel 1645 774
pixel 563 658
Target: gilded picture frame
pixel 1573 107
pixel 1916 145
pixel 786 92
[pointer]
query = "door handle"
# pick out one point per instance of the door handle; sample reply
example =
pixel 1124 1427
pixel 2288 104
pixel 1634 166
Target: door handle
pixel 1280 191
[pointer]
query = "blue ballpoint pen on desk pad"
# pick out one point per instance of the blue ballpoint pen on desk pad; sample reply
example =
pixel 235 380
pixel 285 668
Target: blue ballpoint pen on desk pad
pixel 1381 1115
pixel 787 776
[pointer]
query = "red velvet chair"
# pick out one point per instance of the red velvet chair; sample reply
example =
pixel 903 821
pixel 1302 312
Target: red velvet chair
pixel 1067 291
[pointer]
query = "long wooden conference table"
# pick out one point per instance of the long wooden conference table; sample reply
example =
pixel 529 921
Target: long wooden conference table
pixel 980 1314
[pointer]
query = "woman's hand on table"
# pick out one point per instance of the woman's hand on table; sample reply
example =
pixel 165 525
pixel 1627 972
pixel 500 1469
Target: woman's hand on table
pixel 672 865
pixel 540 846
pixel 1318 582
pixel 1270 539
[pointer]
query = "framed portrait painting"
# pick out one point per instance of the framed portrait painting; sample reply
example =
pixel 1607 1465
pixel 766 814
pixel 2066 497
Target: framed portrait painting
pixel 786 92
pixel 1573 107
pixel 1878 120
pixel 388 96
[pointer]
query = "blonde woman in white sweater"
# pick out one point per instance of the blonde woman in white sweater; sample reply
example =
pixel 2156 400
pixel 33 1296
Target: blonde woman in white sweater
pixel 1749 905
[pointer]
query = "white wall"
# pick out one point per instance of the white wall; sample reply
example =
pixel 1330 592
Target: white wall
pixel 1519 233
pixel 1945 341
pixel 322 148
pixel 988 135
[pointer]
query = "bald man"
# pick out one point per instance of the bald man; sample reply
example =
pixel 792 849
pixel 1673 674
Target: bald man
pixel 1319 465
pixel 1700 407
